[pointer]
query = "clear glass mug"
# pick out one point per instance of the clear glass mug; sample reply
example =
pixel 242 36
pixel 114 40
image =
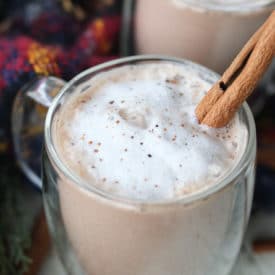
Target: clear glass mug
pixel 96 232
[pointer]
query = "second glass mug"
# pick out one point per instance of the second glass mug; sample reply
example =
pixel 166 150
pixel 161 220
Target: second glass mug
pixel 95 232
pixel 208 32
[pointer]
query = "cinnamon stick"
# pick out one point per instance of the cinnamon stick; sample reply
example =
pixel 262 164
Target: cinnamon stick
pixel 226 96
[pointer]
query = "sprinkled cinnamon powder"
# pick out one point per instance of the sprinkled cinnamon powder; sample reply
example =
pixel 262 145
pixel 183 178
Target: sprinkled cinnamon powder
pixel 152 131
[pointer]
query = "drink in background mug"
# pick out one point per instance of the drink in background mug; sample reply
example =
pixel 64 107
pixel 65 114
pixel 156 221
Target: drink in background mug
pixel 130 229
pixel 210 33
pixel 207 32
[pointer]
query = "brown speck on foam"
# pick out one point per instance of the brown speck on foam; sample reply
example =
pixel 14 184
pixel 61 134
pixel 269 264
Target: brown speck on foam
pixel 182 125
pixel 104 179
pixel 156 186
pixel 172 80
pixel 96 150
pixel 174 138
pixel 111 102
pixel 117 122
pixel 83 137
pixel 90 142
pixel 164 129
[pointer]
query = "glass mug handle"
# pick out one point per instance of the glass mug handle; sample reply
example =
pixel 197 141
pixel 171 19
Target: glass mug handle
pixel 28 116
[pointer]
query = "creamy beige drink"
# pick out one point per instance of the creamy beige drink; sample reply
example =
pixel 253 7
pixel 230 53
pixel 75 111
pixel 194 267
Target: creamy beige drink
pixel 208 32
pixel 131 133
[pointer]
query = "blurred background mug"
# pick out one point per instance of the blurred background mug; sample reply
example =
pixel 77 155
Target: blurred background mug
pixel 210 33
pixel 207 32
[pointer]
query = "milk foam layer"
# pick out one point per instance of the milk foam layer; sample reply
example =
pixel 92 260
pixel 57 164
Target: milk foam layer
pixel 132 131
pixel 228 3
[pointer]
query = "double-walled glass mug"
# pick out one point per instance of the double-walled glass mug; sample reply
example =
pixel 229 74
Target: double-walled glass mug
pixel 96 232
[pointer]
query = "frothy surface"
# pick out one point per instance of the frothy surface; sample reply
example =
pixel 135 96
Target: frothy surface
pixel 233 2
pixel 132 131
pixel 227 3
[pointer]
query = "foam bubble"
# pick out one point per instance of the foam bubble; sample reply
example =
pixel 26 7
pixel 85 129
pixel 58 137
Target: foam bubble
pixel 134 133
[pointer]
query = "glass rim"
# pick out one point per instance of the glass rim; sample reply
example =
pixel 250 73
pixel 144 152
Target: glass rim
pixel 52 154
pixel 236 7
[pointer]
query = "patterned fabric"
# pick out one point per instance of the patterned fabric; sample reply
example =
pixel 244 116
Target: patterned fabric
pixel 40 38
